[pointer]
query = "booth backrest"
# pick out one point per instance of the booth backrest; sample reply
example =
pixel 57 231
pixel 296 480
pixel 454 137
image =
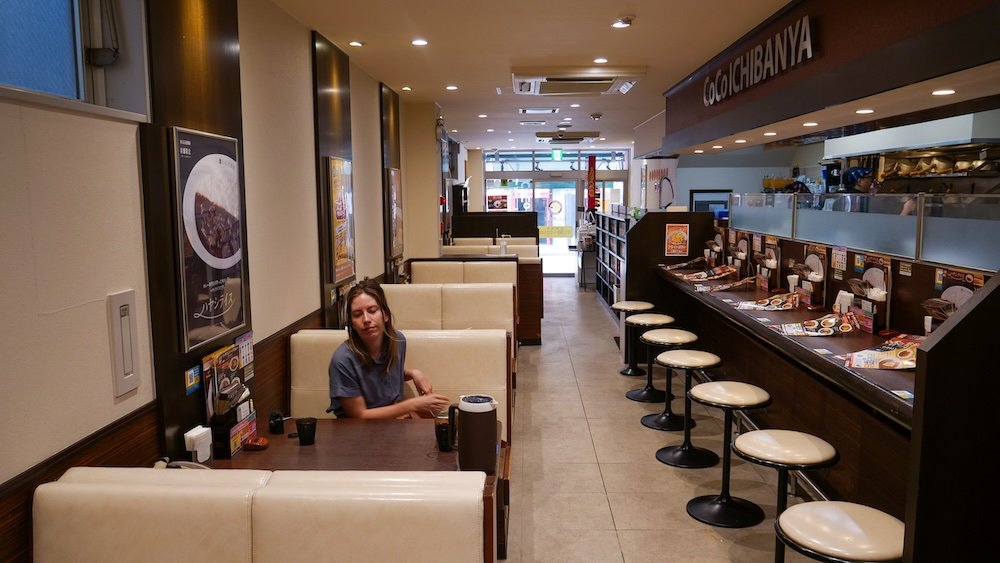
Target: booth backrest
pixel 462 305
pixel 458 362
pixel 416 305
pixel 466 241
pixel 519 250
pixel 437 271
pixel 483 271
pixel 531 241
pixel 99 514
pixel 453 250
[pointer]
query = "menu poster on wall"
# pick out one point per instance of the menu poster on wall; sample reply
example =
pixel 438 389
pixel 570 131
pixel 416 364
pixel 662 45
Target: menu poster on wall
pixel 394 209
pixel 496 202
pixel 956 286
pixel 210 209
pixel 677 239
pixel 342 202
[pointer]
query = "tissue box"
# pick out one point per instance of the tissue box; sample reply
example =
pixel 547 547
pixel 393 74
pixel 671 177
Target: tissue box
pixel 868 314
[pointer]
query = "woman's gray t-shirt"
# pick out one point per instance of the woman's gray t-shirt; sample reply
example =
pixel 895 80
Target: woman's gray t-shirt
pixel 349 378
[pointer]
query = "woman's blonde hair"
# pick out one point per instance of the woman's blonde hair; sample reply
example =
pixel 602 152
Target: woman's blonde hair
pixel 369 287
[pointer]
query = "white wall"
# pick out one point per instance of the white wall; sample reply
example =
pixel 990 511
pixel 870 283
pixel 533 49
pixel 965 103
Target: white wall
pixel 280 166
pixel 366 141
pixel 70 234
pixel 421 180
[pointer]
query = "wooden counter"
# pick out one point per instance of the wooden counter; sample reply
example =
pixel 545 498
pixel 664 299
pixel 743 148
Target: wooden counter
pixel 855 410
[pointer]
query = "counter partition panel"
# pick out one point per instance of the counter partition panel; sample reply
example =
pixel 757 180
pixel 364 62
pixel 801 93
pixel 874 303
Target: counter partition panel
pixel 962 230
pixel 769 214
pixel 863 222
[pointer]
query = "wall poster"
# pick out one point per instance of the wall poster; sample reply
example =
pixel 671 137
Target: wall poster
pixel 210 208
pixel 394 201
pixel 342 214
pixel 676 239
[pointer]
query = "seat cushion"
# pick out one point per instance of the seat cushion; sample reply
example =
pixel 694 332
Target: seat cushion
pixel 785 448
pixel 688 359
pixel 730 394
pixel 668 336
pixel 845 530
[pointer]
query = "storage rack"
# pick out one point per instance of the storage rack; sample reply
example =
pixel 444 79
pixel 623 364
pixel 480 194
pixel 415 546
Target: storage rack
pixel 610 241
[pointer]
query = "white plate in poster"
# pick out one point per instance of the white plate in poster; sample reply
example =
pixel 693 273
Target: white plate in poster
pixel 957 294
pixel 875 276
pixel 718 240
pixel 216 178
pixel 742 245
pixel 814 263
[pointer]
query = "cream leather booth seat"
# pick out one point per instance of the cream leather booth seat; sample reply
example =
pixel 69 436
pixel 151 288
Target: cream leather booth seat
pixel 98 514
pixel 458 362
pixel 519 250
pixel 474 241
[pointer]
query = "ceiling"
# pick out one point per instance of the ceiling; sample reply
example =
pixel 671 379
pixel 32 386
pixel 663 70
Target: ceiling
pixel 475 45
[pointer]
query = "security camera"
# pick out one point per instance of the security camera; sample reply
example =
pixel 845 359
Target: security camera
pixel 596 115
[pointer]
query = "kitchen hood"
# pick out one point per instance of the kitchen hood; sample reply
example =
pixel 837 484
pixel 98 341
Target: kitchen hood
pixel 973 128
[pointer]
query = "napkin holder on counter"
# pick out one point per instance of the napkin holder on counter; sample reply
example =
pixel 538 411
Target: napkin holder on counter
pixel 812 289
pixel 868 305
pixel 198 441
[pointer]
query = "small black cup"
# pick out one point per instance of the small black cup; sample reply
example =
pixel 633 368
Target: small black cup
pixel 276 424
pixel 306 428
pixel 441 431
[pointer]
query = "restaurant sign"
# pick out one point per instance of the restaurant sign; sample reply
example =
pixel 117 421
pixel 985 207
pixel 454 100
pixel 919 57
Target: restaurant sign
pixel 787 48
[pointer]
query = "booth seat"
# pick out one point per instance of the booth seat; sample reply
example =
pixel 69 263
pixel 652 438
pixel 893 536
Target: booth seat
pixel 487 241
pixel 97 514
pixel 519 250
pixel 458 362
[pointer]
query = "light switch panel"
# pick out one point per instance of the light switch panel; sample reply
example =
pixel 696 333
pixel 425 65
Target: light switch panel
pixel 124 348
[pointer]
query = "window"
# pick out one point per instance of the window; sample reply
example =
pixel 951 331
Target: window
pixel 63 52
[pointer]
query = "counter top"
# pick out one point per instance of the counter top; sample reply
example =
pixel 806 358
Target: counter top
pixel 873 387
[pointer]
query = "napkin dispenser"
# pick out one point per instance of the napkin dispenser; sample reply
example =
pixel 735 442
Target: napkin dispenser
pixel 198 441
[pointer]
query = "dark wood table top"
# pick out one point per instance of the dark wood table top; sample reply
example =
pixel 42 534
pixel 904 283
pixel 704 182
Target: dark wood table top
pixel 873 386
pixel 384 445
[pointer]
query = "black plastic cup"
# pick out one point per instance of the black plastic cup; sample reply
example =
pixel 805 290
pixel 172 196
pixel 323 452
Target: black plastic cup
pixel 441 431
pixel 306 428
pixel 276 424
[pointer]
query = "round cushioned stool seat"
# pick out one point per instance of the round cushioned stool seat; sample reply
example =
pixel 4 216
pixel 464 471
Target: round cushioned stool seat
pixel 688 359
pixel 649 319
pixel 730 394
pixel 632 306
pixel 840 530
pixel 785 448
pixel 668 337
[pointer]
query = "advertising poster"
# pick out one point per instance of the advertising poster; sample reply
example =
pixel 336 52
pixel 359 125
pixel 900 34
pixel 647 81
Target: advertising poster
pixel 210 208
pixel 677 239
pixel 342 201
pixel 496 202
pixel 394 200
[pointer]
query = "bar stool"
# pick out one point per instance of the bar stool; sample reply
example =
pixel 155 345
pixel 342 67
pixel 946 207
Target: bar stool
pixel 624 308
pixel 671 337
pixel 686 455
pixel 722 509
pixel 784 450
pixel 841 532
pixel 654 321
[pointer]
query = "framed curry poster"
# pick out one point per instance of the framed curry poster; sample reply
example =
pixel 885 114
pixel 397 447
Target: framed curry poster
pixel 342 215
pixel 394 212
pixel 211 215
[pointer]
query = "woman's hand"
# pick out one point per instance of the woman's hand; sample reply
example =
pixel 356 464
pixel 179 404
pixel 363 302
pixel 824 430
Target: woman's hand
pixel 426 406
pixel 420 381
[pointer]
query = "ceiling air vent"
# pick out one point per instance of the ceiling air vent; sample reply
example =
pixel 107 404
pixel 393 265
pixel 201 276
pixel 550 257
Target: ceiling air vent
pixel 533 123
pixel 575 81
pixel 566 137
pixel 537 111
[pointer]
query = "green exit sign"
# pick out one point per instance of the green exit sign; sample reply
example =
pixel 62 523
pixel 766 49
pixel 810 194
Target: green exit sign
pixel 556 154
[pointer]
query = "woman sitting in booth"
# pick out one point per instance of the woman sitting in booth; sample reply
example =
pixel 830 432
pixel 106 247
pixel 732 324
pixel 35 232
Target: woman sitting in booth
pixel 366 371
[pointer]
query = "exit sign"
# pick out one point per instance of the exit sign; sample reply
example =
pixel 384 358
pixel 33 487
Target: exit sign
pixel 556 154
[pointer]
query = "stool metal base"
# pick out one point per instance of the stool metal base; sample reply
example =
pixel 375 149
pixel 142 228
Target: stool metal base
pixel 633 372
pixel 647 394
pixel 668 422
pixel 690 457
pixel 725 511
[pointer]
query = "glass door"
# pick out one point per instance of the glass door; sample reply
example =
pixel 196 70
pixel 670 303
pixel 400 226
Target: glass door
pixel 555 203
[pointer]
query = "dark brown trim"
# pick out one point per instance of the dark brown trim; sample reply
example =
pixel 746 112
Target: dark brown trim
pixel 129 441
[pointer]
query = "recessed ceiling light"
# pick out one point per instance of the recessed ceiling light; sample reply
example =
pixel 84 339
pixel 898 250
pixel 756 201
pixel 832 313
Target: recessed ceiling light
pixel 574 105
pixel 716 146
pixel 510 140
pixel 451 87
pixel 567 119
pixel 864 111
pixel 622 22
pixel 479 148
pixel 454 130
pixel 698 151
pixel 483 115
pixel 740 141
pixel 600 60
pixel 603 139
pixel 943 92
pixel 356 44
pixel 419 42
pixel 770 134
pixel 489 130
pixel 810 124
pixel 407 88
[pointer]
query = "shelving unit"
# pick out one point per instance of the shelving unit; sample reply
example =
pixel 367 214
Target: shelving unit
pixel 610 243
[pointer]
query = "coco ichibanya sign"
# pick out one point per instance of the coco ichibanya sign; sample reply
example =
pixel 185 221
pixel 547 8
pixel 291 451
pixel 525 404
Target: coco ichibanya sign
pixel 789 47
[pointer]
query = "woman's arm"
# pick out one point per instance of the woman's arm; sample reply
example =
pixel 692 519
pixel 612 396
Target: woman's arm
pixel 420 381
pixel 430 403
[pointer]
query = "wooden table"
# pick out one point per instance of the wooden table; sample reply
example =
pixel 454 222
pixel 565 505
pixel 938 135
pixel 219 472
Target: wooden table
pixel 382 445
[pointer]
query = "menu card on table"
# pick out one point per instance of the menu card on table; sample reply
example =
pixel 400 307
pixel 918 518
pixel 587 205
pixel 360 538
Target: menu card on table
pixel 783 301
pixel 827 325
pixel 899 352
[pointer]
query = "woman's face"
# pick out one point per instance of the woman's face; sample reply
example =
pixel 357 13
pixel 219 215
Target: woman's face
pixel 367 318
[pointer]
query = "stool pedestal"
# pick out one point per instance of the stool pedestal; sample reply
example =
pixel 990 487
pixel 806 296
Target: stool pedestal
pixel 627 344
pixel 685 455
pixel 667 420
pixel 649 393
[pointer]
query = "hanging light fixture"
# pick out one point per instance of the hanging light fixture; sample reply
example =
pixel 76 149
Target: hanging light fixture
pixel 622 22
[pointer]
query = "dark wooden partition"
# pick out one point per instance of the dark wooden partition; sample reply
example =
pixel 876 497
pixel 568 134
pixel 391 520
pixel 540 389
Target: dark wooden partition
pixel 486 224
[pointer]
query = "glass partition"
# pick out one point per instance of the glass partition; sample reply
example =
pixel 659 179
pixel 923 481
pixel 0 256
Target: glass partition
pixel 962 230
pixel 770 214
pixel 875 223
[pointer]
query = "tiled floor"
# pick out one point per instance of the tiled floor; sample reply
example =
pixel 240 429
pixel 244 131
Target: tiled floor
pixel 585 483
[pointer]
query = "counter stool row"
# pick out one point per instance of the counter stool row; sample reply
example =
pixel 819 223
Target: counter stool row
pixel 823 530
